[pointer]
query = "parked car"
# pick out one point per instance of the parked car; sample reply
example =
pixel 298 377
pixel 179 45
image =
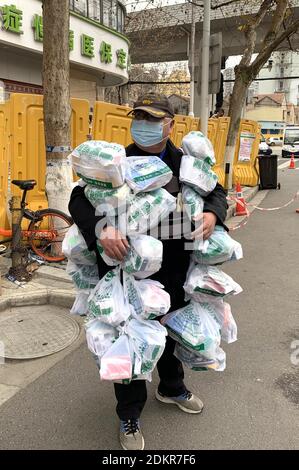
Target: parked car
pixel 274 141
pixel 264 148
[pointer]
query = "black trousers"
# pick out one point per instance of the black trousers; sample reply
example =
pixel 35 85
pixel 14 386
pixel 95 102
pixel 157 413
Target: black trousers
pixel 131 398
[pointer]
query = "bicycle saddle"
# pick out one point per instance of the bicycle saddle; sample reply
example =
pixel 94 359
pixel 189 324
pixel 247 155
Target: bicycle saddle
pixel 24 184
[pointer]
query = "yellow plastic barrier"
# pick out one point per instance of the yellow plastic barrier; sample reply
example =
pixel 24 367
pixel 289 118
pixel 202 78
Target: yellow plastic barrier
pixel 217 133
pixel 28 158
pixel 213 130
pixel 182 125
pixel 195 124
pixel 4 163
pixel 219 147
pixel 79 121
pixel 111 123
pixel 245 168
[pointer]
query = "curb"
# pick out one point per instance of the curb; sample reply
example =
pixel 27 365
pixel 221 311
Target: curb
pixel 59 297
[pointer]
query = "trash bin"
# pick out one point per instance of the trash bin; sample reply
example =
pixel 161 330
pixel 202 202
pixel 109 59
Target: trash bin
pixel 268 172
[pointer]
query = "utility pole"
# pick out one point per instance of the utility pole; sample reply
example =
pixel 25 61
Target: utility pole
pixel 204 98
pixel 192 57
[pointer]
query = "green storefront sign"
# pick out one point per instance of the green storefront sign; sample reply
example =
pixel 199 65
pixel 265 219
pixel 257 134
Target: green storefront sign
pixel 11 18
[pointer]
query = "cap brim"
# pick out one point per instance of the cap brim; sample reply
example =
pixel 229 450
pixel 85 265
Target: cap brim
pixel 158 113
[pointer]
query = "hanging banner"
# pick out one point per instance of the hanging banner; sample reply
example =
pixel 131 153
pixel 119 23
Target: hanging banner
pixel 246 142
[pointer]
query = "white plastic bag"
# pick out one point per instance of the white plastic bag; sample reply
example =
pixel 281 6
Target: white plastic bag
pixel 108 201
pixel 75 249
pixel 196 361
pixel 100 163
pixel 85 277
pixel 107 301
pixel 144 257
pixel 197 145
pixel 147 173
pixel 204 280
pixel 192 201
pixel 198 174
pixel 193 327
pixel 80 306
pixel 147 210
pixel 99 336
pixel 109 261
pixel 147 297
pixel 220 247
pixel 147 339
pixel 221 312
pixel 116 363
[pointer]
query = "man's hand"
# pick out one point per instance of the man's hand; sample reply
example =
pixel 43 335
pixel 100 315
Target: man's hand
pixel 114 243
pixel 205 225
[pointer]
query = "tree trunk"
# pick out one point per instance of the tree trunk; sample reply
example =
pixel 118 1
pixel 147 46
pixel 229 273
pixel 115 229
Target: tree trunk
pixel 238 97
pixel 57 109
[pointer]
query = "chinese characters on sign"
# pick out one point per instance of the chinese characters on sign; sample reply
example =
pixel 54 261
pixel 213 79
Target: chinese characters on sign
pixel 37 25
pixel 105 53
pixel 11 18
pixel 246 142
pixel 87 46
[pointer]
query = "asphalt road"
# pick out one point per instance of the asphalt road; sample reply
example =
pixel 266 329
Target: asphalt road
pixel 254 404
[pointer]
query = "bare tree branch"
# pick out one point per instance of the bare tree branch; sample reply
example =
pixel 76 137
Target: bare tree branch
pixel 264 55
pixel 250 32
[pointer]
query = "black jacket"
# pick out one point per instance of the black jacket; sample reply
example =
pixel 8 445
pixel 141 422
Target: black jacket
pixel 175 258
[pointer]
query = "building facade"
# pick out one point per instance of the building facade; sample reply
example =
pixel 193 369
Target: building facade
pixel 272 112
pixel 281 65
pixel 99 51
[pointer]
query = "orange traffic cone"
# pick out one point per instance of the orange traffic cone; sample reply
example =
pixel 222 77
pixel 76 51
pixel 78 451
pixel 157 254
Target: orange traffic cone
pixel 292 163
pixel 240 208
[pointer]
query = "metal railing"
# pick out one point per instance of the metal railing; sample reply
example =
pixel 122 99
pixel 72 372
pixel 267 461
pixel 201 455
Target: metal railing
pixel 110 13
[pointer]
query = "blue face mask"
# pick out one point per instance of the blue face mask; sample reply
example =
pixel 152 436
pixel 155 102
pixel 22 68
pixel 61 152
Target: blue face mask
pixel 146 133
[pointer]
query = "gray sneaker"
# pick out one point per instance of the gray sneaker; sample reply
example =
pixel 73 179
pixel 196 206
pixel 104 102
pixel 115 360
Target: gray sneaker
pixel 186 402
pixel 130 435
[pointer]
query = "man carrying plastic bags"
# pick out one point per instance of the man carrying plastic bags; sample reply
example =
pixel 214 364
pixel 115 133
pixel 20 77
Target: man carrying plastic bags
pixel 151 126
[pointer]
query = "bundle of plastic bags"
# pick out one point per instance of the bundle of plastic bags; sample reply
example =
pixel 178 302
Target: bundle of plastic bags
pixel 148 342
pixel 107 302
pixel 100 336
pixel 219 247
pixel 147 297
pixel 147 173
pixel 198 362
pixel 108 201
pixel 197 174
pixel 193 203
pixel 195 143
pixel 143 259
pixel 221 312
pixel 84 276
pixel 75 249
pixel 193 327
pixel 82 267
pixel 127 352
pixel 204 281
pixel 147 210
pixel 100 163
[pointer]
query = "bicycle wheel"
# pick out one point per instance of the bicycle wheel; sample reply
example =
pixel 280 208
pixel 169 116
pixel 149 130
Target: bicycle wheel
pixel 47 234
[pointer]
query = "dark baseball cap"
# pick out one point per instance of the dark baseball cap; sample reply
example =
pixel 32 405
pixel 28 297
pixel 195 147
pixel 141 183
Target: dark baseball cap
pixel 155 104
